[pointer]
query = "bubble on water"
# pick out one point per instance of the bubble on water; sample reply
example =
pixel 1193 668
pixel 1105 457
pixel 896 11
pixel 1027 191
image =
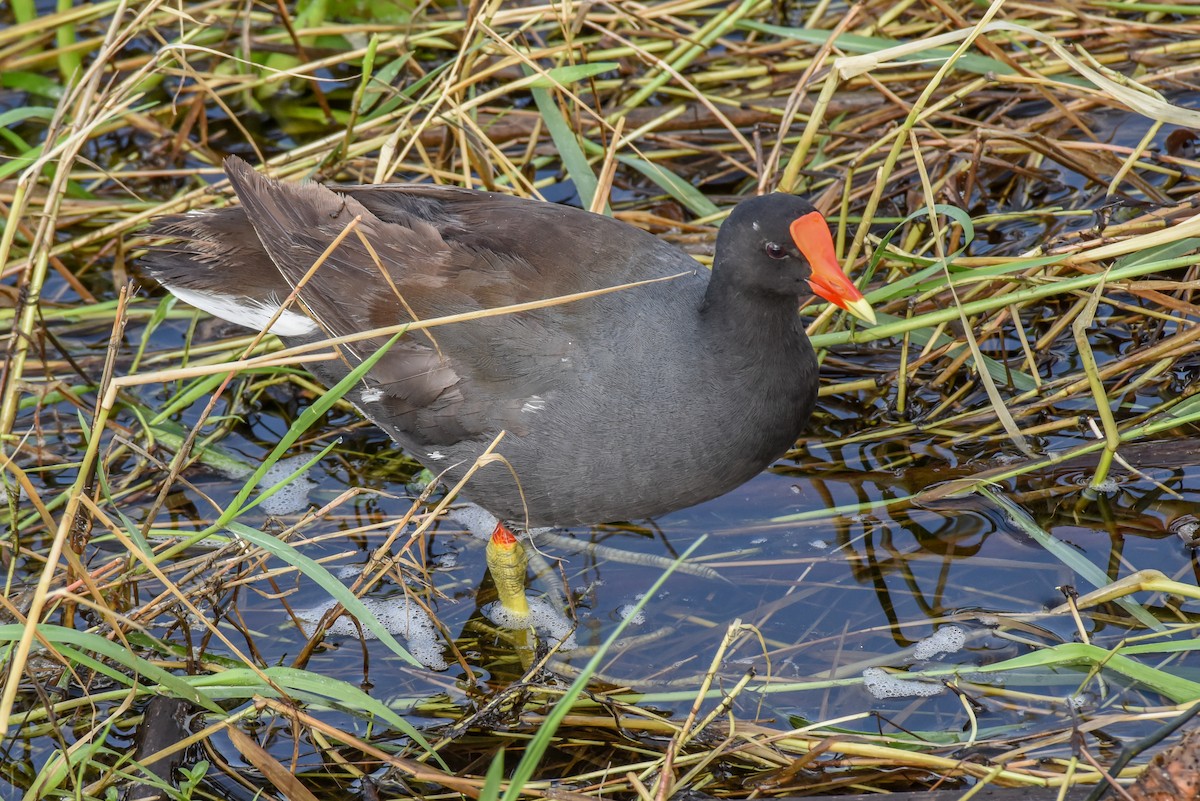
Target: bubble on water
pixel 293 496
pixel 630 612
pixel 348 572
pixel 401 617
pixel 288 499
pixel 475 519
pixel 946 640
pixel 1187 528
pixel 543 617
pixel 882 685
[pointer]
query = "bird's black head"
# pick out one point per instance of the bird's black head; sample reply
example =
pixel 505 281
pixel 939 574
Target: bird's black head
pixel 778 244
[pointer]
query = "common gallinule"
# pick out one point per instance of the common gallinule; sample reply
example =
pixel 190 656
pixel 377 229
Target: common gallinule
pixel 623 406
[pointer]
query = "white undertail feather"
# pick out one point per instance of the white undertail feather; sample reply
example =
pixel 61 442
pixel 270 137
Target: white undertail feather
pixel 246 312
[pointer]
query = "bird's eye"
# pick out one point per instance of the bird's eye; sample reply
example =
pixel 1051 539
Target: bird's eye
pixel 775 250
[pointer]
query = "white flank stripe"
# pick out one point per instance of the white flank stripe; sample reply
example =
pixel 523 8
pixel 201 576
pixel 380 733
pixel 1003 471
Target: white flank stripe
pixel 247 312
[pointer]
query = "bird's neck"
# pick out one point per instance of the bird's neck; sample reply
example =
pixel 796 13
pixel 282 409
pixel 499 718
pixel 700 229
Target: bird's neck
pixel 762 316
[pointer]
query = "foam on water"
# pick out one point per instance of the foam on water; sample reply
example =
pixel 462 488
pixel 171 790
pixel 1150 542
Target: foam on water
pixel 882 685
pixel 401 616
pixel 475 519
pixel 289 499
pixel 630 612
pixel 544 618
pixel 946 640
pixel 481 523
pixel 348 573
pixel 293 496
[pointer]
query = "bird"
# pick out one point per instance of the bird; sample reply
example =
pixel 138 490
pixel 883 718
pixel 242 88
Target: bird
pixel 622 406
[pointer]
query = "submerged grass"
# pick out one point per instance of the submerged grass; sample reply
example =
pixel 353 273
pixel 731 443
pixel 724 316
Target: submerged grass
pixel 1011 182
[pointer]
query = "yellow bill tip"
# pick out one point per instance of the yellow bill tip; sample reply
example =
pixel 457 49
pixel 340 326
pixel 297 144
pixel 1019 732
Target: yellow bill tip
pixel 862 310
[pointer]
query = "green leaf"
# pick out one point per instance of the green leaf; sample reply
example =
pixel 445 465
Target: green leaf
pixel 673 185
pixel 571 73
pixel 118 653
pixel 574 161
pixel 1164 252
pixel 930 273
pixel 33 83
pixel 172 435
pixel 302 423
pixel 927 279
pixel 54 772
pixel 1186 411
pixel 495 777
pixel 541 741
pixel 15 164
pixel 382 84
pixel 156 319
pixel 1077 653
pixel 853 43
pixel 288 479
pixel 18 115
pixel 312 688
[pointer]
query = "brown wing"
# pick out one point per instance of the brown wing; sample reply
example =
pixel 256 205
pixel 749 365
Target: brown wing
pixel 436 251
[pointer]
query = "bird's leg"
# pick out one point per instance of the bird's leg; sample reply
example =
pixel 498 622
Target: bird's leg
pixel 506 560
